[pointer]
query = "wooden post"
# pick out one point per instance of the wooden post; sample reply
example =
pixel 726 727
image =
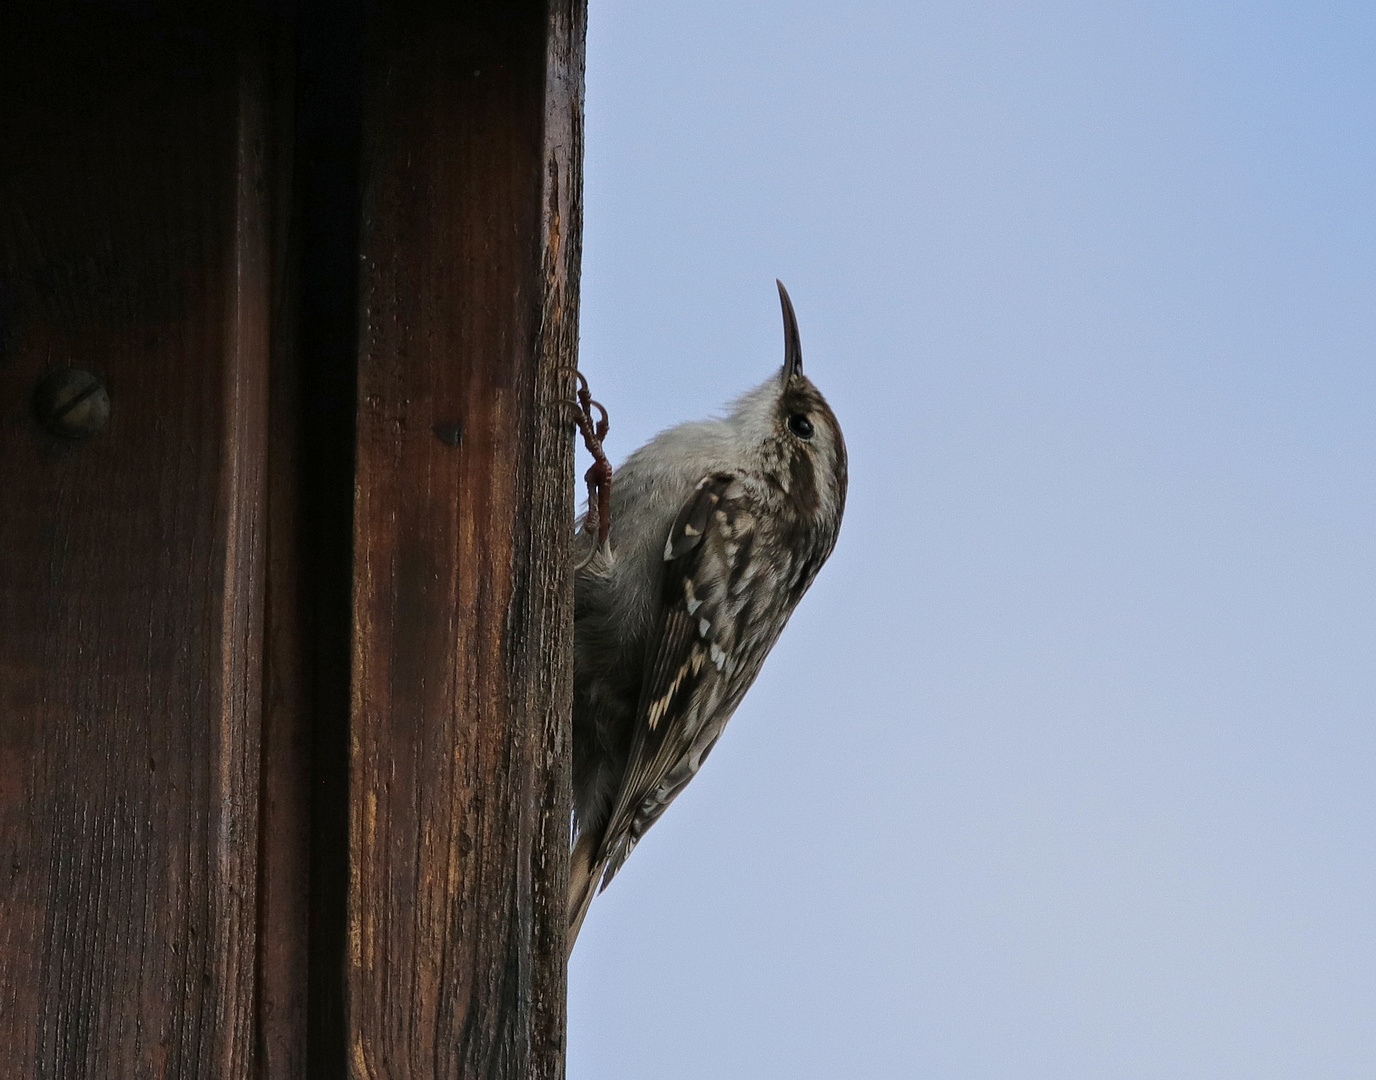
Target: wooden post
pixel 134 251
pixel 285 642
pixel 462 613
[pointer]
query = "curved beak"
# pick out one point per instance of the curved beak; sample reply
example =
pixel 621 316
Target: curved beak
pixel 793 344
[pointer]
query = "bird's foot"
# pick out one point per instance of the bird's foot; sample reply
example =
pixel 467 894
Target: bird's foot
pixel 599 474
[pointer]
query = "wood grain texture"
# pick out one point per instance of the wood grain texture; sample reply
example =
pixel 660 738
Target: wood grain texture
pixel 462 613
pixel 133 243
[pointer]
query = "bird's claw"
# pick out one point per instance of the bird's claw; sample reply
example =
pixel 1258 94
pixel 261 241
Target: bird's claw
pixel 599 474
pixel 593 553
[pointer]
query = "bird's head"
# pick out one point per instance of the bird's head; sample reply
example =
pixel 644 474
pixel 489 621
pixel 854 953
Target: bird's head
pixel 789 424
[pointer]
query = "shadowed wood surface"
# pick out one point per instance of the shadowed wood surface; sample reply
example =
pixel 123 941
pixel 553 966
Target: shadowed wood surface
pixel 462 613
pixel 133 244
pixel 280 1039
pixel 285 646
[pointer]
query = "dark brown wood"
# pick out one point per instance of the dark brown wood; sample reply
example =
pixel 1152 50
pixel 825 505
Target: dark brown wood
pixel 284 828
pixel 280 1042
pixel 462 610
pixel 283 784
pixel 133 244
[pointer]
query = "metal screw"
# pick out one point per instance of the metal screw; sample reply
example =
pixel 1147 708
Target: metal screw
pixel 72 403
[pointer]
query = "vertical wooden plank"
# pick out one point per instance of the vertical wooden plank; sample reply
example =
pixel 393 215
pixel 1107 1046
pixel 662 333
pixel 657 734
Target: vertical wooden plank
pixel 462 613
pixel 548 667
pixel 281 1035
pixel 133 245
pixel 241 510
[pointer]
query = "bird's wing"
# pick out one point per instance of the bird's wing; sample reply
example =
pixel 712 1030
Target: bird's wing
pixel 694 673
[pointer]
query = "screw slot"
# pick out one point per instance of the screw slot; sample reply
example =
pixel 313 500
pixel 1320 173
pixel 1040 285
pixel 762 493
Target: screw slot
pixel 72 403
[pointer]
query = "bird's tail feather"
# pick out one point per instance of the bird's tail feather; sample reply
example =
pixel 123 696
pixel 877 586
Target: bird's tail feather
pixel 584 874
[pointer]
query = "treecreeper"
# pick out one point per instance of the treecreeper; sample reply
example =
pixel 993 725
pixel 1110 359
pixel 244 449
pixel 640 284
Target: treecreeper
pixel 717 528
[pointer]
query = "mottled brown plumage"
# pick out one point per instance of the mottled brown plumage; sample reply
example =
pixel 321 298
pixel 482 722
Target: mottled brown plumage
pixel 718 527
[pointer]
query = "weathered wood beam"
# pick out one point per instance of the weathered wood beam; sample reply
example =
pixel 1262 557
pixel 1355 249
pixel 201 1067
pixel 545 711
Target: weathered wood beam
pixel 357 281
pixel 133 249
pixel 462 615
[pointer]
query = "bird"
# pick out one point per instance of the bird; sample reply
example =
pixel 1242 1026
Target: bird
pixel 717 529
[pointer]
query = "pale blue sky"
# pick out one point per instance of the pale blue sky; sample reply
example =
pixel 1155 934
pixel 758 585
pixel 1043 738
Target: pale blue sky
pixel 1066 767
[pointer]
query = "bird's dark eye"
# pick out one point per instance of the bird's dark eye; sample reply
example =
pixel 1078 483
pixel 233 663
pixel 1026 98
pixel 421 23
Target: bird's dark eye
pixel 800 425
